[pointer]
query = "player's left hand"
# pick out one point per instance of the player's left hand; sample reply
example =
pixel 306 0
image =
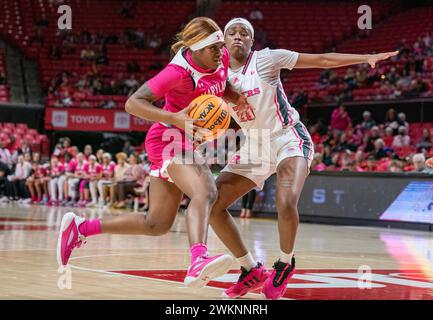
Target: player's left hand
pixel 372 59
pixel 243 109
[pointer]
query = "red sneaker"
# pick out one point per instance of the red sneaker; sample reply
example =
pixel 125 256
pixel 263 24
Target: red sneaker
pixel 248 281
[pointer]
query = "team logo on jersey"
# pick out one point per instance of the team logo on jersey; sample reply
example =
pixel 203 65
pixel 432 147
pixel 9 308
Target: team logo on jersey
pixel 332 284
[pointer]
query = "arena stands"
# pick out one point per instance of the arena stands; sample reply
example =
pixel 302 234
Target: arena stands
pixel 4 91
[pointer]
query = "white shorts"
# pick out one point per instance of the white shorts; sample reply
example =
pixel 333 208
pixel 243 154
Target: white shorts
pixel 259 157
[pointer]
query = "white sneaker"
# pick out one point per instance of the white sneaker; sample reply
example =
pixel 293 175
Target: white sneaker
pixel 4 200
pixel 91 204
pixel 26 201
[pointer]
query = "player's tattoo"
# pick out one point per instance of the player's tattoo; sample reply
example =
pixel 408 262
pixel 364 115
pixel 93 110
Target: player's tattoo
pixel 144 93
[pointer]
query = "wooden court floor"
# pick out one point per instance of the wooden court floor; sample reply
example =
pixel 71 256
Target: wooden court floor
pixel 333 262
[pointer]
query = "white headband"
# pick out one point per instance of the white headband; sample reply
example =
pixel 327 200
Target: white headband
pixel 242 21
pixel 215 37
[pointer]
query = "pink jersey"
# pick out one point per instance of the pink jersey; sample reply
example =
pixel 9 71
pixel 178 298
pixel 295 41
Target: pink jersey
pixel 80 169
pixel 92 171
pixel 108 170
pixel 57 169
pixel 72 165
pixel 181 82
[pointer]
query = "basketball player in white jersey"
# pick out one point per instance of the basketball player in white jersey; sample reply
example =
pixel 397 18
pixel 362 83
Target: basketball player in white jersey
pixel 282 146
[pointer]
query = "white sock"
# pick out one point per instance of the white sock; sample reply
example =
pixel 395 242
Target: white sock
pixel 247 261
pixel 286 257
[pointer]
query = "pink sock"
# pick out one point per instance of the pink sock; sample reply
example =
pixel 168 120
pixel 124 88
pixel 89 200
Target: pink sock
pixel 90 227
pixel 197 250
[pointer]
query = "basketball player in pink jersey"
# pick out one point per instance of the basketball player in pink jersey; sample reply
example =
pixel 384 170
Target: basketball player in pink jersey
pixel 200 66
pixel 273 125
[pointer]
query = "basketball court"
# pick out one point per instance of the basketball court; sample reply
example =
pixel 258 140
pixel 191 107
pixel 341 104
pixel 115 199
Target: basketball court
pixel 334 262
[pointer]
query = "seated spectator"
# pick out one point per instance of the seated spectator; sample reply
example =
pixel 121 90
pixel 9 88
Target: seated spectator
pixel 76 174
pixel 16 185
pixel 402 139
pixel 87 54
pixel 256 14
pixel 4 172
pixel 426 140
pixel 379 150
pixel 368 121
pixel 34 183
pixel 317 164
pixel 108 104
pixel 133 178
pixel 419 164
pixel 388 139
pixel 57 170
pixel 395 166
pixel 119 174
pixel 108 168
pixel 5 155
pixel 93 175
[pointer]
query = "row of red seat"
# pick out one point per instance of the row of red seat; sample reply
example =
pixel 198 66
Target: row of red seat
pixel 20 132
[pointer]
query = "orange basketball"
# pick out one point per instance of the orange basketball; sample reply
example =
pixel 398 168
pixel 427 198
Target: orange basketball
pixel 215 112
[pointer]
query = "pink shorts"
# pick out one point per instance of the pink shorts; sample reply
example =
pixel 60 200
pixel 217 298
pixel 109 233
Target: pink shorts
pixel 162 144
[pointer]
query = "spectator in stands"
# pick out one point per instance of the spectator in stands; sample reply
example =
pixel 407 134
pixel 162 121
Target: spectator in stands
pixel 108 104
pixel 128 148
pixel 87 54
pixel 106 179
pixel 256 14
pixel 390 117
pixel 395 166
pixel 57 170
pixel 119 175
pixel 131 84
pixel 16 185
pixel 368 122
pixel 4 172
pixel 388 139
pixel 401 139
pixel 419 164
pixel 379 150
pixel 134 177
pixel 33 183
pixel 327 155
pixel 93 175
pixel 87 152
pixel 340 120
pixel 155 41
pixel 426 140
pixel 101 56
pixel 75 174
pixel 317 163
pixel 100 156
pixel 5 155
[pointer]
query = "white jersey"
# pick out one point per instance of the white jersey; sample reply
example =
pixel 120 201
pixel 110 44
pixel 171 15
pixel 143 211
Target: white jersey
pixel 272 109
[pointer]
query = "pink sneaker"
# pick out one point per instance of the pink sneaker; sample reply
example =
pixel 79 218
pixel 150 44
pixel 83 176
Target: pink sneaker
pixel 248 281
pixel 276 285
pixel 69 237
pixel 204 269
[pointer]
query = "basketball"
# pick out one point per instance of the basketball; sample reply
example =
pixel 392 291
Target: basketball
pixel 215 112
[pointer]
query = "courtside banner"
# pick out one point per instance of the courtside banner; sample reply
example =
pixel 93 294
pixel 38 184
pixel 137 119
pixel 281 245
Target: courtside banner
pixel 74 119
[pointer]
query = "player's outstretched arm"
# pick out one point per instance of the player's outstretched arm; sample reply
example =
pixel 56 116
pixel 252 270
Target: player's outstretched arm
pixel 335 60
